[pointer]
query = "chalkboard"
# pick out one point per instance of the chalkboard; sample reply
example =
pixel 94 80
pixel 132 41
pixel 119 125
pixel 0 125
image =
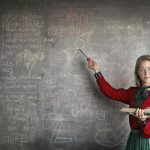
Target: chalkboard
pixel 49 99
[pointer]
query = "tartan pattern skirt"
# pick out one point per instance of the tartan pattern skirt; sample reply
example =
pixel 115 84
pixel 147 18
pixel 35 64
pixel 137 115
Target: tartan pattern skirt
pixel 137 142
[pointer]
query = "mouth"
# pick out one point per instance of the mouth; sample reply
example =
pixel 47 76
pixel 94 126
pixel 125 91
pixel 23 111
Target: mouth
pixel 147 78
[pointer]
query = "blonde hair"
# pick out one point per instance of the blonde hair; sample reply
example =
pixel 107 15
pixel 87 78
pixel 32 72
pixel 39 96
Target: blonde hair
pixel 142 58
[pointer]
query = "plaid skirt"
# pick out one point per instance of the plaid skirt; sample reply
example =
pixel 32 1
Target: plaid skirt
pixel 137 142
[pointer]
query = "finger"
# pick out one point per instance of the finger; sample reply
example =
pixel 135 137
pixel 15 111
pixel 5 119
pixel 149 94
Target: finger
pixel 90 62
pixel 140 113
pixel 89 59
pixel 137 112
pixel 144 117
pixel 90 65
pixel 147 116
pixel 93 63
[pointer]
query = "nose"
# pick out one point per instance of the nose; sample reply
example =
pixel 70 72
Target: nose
pixel 146 72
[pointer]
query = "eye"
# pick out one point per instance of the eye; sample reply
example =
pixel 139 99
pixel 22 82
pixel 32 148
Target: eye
pixel 141 70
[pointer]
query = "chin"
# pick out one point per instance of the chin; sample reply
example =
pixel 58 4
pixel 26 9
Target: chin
pixel 146 83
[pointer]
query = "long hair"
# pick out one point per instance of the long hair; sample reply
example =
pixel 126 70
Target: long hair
pixel 142 58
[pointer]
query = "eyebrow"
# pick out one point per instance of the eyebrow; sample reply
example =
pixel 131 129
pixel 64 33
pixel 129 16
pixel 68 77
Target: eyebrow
pixel 141 67
pixel 145 67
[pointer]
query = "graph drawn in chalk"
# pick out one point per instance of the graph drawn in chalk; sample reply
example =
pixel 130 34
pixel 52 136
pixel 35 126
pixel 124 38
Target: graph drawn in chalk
pixel 62 133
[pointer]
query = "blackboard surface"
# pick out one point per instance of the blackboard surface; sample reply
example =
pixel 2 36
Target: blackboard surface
pixel 49 100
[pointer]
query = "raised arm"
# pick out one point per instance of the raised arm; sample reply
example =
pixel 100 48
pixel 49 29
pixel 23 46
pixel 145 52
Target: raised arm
pixel 120 94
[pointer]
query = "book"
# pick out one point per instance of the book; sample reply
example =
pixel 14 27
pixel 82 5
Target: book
pixel 132 110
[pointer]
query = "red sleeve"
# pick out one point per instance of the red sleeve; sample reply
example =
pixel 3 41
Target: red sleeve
pixel 146 130
pixel 120 94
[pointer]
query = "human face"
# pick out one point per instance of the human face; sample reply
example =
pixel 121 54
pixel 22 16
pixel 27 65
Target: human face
pixel 144 72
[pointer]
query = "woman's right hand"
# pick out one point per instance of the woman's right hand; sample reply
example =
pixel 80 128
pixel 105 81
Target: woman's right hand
pixel 92 65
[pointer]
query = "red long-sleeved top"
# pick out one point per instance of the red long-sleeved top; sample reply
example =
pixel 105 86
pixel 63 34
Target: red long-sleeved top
pixel 126 96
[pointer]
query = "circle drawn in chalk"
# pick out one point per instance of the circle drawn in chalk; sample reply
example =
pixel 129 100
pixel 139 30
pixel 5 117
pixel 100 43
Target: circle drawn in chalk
pixel 71 93
pixel 79 44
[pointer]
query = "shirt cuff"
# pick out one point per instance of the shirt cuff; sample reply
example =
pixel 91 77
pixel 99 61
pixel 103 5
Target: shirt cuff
pixel 97 75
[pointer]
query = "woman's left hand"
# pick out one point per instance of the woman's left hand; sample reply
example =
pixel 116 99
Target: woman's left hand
pixel 140 114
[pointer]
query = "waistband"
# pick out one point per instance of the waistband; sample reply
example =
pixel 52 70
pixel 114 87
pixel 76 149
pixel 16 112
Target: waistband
pixel 135 131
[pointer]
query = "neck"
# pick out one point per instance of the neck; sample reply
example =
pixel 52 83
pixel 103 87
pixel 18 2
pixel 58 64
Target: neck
pixel 148 86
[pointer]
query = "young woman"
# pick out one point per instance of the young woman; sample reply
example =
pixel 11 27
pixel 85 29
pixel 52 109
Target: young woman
pixel 136 97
